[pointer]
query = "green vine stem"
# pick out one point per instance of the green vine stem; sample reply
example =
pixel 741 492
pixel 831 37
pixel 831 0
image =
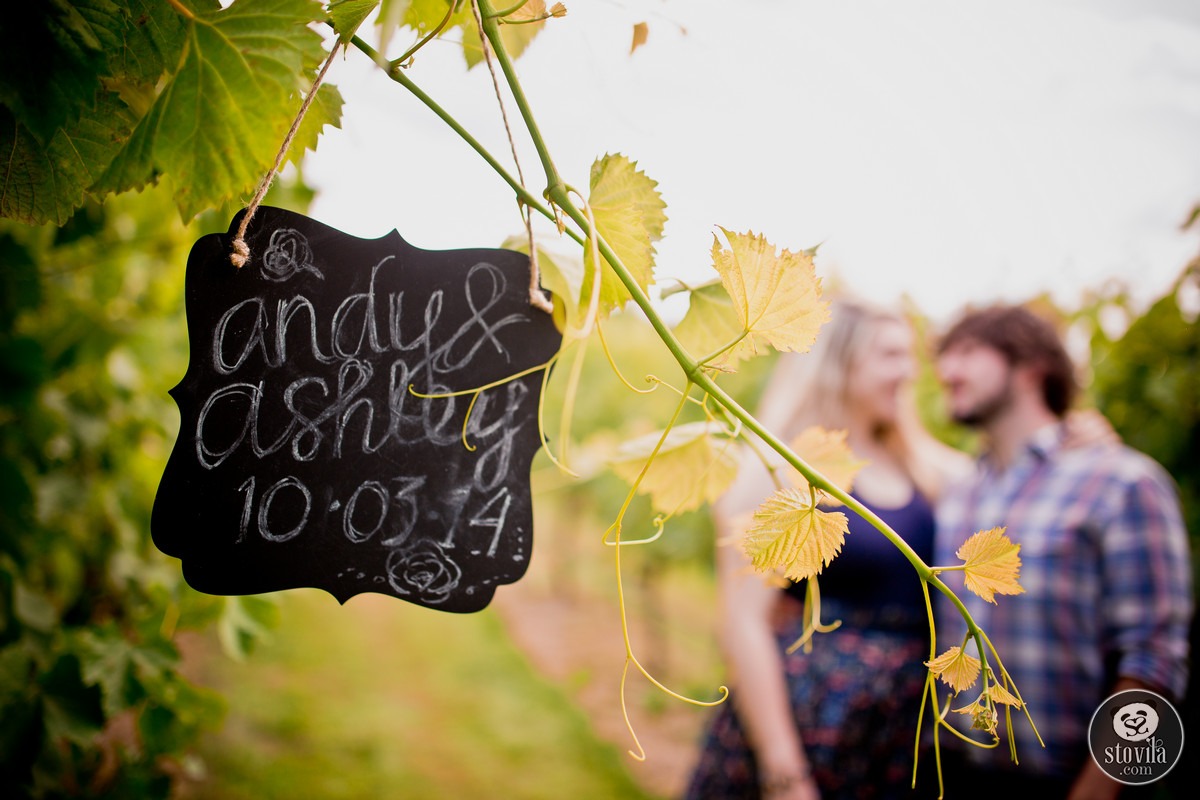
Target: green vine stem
pixel 558 194
pixel 510 10
pixel 696 372
pixel 403 60
pixel 725 348
pixel 555 189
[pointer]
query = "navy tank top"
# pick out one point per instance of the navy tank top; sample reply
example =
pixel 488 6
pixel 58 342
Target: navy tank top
pixel 870 574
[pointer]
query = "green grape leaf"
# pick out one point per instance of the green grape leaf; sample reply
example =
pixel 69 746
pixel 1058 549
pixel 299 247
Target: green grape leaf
pixel 516 37
pixel 695 465
pixel 16 665
pixel 325 110
pixel 616 181
pixel 217 123
pixel 178 713
pixel 20 290
pixel 244 621
pixel 62 126
pixel 710 323
pixel 106 660
pixel 71 709
pixel 47 183
pixel 776 295
pixel 956 668
pixel 347 15
pixel 630 215
pixel 33 609
pixel 57 49
pixel 151 37
pixel 790 534
pixel 425 15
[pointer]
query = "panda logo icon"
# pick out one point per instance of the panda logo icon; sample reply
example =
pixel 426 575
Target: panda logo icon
pixel 1135 722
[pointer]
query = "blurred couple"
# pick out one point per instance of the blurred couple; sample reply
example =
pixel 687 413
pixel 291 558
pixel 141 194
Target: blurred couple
pixel 1104 555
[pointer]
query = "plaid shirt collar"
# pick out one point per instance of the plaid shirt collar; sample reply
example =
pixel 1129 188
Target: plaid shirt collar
pixel 1041 446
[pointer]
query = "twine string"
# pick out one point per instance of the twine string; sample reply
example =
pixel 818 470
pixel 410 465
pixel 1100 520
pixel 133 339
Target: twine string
pixel 241 251
pixel 536 298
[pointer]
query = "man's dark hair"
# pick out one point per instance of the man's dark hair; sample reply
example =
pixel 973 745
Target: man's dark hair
pixel 1025 339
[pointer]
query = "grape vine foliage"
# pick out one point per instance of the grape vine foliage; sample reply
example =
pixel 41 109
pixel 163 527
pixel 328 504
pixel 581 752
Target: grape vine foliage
pixel 122 94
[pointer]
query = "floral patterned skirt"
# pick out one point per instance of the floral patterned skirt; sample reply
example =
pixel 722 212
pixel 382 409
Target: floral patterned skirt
pixel 855 699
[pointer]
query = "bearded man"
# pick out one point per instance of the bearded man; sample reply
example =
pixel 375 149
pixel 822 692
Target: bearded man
pixel 1104 558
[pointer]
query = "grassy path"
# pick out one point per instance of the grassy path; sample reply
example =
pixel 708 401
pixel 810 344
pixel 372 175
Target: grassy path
pixel 381 699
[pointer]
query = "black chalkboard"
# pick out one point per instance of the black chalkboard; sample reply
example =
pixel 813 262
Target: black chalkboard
pixel 303 458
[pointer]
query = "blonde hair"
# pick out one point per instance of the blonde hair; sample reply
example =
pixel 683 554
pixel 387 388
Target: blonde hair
pixel 810 388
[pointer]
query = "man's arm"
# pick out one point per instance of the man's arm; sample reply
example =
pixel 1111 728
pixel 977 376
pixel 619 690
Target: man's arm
pixel 1092 783
pixel 1147 593
pixel 1147 602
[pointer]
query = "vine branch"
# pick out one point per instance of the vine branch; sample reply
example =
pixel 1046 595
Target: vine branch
pixel 558 194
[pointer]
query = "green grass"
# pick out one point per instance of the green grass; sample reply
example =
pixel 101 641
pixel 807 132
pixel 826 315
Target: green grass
pixel 381 699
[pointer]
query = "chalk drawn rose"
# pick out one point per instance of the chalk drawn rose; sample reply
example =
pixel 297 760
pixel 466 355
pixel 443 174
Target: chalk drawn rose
pixel 287 253
pixel 423 569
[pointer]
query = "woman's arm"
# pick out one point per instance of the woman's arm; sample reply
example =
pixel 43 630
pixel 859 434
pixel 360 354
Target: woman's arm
pixel 760 693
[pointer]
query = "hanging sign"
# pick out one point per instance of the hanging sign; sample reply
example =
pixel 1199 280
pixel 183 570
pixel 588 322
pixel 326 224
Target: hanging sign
pixel 319 443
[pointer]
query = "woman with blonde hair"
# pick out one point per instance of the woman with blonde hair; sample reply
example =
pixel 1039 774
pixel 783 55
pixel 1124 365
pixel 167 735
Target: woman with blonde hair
pixel 839 720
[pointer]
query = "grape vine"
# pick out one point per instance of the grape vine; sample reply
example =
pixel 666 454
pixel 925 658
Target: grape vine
pixel 777 303
pixel 129 97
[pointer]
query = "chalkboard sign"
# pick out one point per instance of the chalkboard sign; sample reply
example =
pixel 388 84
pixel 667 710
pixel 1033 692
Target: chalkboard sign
pixel 306 456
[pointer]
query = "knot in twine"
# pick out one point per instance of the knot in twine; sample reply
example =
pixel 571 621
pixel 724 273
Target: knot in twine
pixel 240 254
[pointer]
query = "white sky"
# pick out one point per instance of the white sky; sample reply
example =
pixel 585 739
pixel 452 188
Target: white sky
pixel 950 150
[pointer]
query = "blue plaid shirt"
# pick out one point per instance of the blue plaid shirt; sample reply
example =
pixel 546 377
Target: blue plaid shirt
pixel 1107 579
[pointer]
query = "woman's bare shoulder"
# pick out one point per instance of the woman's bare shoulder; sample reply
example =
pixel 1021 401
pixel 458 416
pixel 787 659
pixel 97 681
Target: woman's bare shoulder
pixel 945 464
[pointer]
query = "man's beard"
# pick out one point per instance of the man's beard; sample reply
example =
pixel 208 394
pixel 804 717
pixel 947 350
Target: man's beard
pixel 988 408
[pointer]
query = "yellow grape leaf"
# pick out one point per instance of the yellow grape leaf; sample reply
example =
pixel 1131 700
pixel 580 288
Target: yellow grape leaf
pixel 710 322
pixel 827 453
pixel 1002 695
pixel 641 32
pixel 347 15
pixel 629 214
pixel 790 534
pixel 956 668
pixel 992 564
pixel 982 717
pixel 777 296
pixel 532 9
pixel 695 465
